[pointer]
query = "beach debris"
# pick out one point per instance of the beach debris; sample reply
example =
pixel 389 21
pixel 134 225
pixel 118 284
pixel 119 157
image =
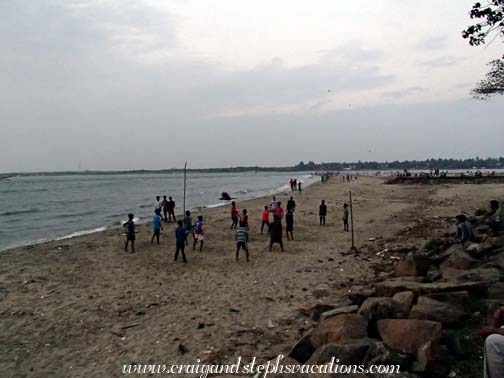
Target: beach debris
pixel 131 326
pixel 182 349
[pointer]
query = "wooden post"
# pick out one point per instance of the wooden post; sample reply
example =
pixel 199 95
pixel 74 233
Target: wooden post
pixel 185 185
pixel 353 248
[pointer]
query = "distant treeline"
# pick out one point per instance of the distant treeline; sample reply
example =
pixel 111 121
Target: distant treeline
pixel 466 164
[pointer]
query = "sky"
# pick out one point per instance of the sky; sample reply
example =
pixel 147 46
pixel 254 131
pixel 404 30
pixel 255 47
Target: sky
pixel 150 84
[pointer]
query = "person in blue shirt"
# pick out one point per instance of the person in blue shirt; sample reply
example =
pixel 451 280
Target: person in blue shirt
pixel 156 225
pixel 180 237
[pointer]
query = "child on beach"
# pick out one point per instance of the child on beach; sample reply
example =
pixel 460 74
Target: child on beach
pixel 276 232
pixel 129 225
pixel 265 218
pixel 279 211
pixel 242 238
pixel 464 230
pixel 234 215
pixel 289 220
pixel 345 217
pixel 188 225
pixel 322 212
pixel 180 237
pixel 156 226
pixel 244 218
pixel 199 235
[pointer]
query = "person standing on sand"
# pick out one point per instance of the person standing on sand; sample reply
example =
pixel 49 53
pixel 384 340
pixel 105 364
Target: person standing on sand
pixel 276 232
pixel 291 204
pixel 295 184
pixel 265 219
pixel 159 203
pixel 188 226
pixel 279 211
pixel 322 212
pixel 289 228
pixel 234 215
pixel 129 225
pixel 273 205
pixel 345 217
pixel 244 218
pixel 164 207
pixel 181 239
pixel 171 210
pixel 199 235
pixel 156 226
pixel 242 238
pixel 299 186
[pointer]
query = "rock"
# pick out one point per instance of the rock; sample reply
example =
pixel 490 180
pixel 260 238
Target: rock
pixel 407 335
pixel 302 350
pixel 404 299
pixel 431 309
pixel 488 276
pixel 456 298
pixel 433 275
pixel 414 264
pixel 338 311
pixel 432 359
pixel 389 288
pixel 379 354
pixel 379 308
pixel 339 328
pixel 496 291
pixel 319 309
pixel 460 260
pixel 321 290
pixel 358 294
pixel 348 352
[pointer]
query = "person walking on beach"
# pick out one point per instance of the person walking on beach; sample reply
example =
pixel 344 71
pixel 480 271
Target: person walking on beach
pixel 276 232
pixel 322 212
pixel 181 239
pixel 234 215
pixel 244 218
pixel 164 207
pixel 199 235
pixel 345 217
pixel 242 238
pixel 171 210
pixel 188 226
pixel 289 228
pixel 291 204
pixel 129 225
pixel 156 226
pixel 265 218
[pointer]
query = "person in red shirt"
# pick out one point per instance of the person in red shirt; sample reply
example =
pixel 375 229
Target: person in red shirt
pixel 279 212
pixel 265 218
pixel 234 215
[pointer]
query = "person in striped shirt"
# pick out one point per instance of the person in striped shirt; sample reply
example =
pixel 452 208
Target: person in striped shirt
pixel 242 238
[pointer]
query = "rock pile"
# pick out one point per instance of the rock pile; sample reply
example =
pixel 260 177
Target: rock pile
pixel 412 315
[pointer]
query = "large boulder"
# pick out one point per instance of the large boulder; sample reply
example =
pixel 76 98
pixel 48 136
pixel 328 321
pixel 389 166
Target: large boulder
pixel 414 264
pixel 431 309
pixel 320 308
pixel 461 260
pixel 389 288
pixel 379 308
pixel 407 335
pixel 338 311
pixel 379 354
pixel 488 276
pixel 339 328
pixel 456 298
pixel 404 300
pixel 432 359
pixel 358 294
pixel 348 352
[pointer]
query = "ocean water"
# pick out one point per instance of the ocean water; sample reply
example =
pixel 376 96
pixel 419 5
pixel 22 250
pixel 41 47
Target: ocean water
pixel 40 208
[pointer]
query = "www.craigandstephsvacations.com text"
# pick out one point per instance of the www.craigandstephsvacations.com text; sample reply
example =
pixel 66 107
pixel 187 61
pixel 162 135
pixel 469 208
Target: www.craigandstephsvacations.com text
pixel 258 370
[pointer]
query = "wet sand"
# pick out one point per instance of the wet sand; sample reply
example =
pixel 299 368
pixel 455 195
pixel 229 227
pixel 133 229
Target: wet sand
pixel 83 307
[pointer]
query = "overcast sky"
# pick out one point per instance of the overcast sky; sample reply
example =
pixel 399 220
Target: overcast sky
pixel 150 83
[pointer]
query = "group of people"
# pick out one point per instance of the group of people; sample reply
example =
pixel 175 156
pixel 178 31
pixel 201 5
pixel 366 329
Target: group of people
pixel 295 185
pixel 347 178
pixel 167 206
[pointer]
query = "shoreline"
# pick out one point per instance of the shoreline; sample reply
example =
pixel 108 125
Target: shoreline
pixel 147 220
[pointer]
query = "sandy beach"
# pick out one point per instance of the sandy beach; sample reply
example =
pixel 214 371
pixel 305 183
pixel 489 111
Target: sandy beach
pixel 83 307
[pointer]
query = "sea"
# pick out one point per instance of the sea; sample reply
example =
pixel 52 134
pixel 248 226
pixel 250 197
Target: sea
pixel 39 208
